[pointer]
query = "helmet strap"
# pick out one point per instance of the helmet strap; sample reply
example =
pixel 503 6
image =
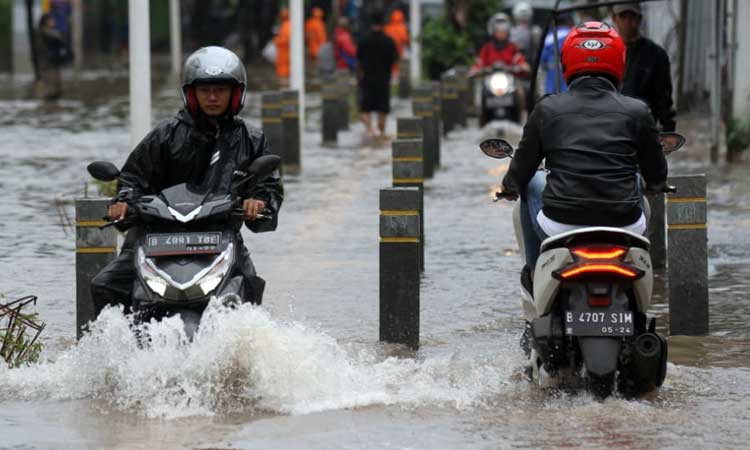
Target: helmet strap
pixel 191 100
pixel 236 102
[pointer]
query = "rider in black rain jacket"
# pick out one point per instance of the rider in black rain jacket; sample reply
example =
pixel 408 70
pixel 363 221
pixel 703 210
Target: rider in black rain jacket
pixel 203 147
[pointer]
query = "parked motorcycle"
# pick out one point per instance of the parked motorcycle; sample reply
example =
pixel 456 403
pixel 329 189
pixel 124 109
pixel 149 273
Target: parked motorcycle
pixel 586 306
pixel 187 251
pixel 502 94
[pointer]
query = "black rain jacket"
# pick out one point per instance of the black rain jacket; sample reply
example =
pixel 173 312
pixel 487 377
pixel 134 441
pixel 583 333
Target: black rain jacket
pixel 648 76
pixel 594 141
pixel 186 150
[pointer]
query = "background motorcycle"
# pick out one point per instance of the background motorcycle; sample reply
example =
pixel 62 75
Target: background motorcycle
pixel 585 308
pixel 186 249
pixel 502 94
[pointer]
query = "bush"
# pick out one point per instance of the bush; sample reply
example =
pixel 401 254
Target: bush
pixel 444 47
pixel 738 135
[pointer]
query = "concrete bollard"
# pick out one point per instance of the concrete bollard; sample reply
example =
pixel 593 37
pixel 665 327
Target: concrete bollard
pixel 422 108
pixel 464 96
pixel 408 128
pixel 657 230
pixel 408 169
pixel 404 80
pixel 399 265
pixel 331 106
pixel 270 112
pixel 291 129
pixel 94 249
pixel 688 256
pixel 343 87
pixel 437 115
pixel 449 94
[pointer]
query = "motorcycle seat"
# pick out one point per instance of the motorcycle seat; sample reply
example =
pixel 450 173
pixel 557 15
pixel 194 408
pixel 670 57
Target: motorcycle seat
pixel 596 235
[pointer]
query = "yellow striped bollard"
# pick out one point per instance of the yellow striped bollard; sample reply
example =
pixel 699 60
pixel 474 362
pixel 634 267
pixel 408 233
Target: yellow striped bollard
pixel 94 249
pixel 400 236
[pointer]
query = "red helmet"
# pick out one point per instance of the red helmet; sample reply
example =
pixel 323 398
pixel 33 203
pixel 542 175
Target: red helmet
pixel 593 48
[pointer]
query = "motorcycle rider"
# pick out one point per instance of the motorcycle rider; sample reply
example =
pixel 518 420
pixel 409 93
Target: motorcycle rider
pixel 499 48
pixel 594 142
pixel 202 144
pixel 525 35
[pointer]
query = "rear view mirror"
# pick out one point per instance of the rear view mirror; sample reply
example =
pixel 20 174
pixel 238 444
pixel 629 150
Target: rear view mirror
pixel 671 141
pixel 497 148
pixel 103 170
pixel 264 166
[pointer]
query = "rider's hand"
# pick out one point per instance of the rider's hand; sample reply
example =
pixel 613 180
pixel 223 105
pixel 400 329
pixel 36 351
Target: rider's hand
pixel 117 211
pixel 252 208
pixel 510 196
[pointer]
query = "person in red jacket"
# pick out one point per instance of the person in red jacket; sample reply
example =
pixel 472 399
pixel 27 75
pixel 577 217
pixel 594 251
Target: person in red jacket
pixel 499 48
pixel 344 47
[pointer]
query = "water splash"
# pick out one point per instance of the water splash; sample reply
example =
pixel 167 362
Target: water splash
pixel 243 360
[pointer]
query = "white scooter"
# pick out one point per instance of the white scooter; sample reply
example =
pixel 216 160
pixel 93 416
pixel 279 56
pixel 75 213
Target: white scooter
pixel 585 309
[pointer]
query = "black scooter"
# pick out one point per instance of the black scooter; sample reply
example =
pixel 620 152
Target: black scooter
pixel 186 250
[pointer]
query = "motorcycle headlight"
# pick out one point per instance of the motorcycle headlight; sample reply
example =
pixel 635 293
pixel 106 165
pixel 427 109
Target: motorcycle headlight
pixel 501 84
pixel 150 274
pixel 208 279
pixel 217 271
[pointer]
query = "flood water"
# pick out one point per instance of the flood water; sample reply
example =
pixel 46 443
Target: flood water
pixel 306 370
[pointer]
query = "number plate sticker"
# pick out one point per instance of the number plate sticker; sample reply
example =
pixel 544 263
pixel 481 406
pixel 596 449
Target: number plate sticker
pixel 599 323
pixel 182 243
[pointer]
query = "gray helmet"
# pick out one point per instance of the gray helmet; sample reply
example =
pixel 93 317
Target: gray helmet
pixel 214 65
pixel 498 20
pixel 522 12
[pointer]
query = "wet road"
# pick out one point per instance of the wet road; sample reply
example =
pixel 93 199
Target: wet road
pixel 306 371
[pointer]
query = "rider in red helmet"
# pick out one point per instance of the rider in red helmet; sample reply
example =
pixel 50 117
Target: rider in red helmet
pixel 594 142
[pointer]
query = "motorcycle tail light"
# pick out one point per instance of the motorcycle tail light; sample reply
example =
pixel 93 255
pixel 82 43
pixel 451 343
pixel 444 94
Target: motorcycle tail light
pixel 599 301
pixel 599 252
pixel 593 269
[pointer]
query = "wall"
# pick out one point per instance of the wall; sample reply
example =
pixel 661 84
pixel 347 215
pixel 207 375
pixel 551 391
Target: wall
pixel 742 86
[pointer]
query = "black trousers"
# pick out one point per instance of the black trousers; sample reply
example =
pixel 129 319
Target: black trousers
pixel 113 285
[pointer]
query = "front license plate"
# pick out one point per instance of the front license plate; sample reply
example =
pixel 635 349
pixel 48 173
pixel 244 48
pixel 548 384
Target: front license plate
pixel 595 323
pixel 499 102
pixel 182 243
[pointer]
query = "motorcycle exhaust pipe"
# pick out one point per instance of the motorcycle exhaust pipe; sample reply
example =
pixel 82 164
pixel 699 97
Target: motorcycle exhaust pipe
pixel 647 367
pixel 647 345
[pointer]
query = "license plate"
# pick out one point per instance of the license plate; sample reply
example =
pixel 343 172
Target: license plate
pixel 182 243
pixel 499 102
pixel 595 323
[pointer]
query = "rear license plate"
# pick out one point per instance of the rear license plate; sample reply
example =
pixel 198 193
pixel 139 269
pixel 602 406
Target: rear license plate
pixel 182 243
pixel 595 323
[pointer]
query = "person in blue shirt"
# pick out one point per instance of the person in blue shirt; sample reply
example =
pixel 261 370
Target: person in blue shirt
pixel 564 23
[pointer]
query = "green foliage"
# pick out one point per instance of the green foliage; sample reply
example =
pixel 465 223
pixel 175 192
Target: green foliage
pixel 106 188
pixel 738 135
pixel 480 12
pixel 444 47
pixel 6 10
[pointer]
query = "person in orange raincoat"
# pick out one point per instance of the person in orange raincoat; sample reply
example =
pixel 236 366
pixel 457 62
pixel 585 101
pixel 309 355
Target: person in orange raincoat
pixel 282 41
pixel 396 30
pixel 315 32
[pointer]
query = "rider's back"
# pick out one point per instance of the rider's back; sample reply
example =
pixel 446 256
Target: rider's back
pixel 594 142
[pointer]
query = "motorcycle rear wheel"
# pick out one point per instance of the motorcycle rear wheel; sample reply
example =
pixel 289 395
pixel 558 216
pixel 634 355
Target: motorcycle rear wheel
pixel 600 387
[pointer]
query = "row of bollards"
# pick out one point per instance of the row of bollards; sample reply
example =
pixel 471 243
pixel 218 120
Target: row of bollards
pixel 280 121
pixel 415 157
